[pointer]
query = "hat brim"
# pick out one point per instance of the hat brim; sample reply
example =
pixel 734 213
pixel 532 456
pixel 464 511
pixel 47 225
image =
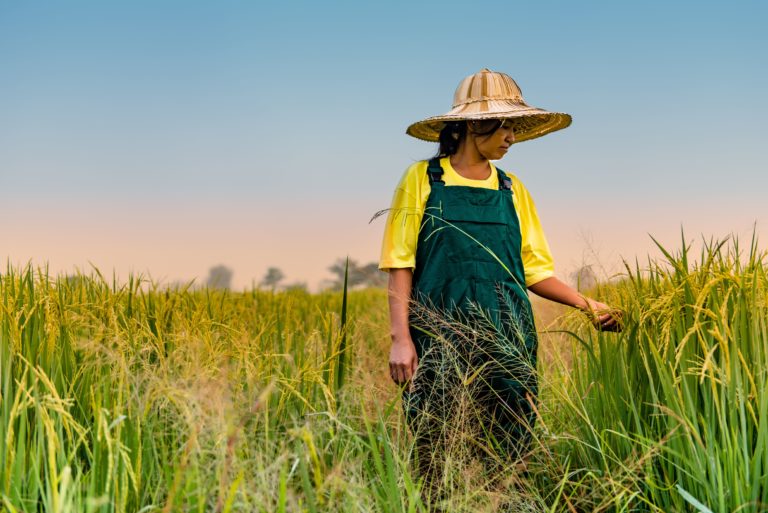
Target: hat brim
pixel 530 122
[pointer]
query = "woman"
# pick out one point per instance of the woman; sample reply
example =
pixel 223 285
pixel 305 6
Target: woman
pixel 462 244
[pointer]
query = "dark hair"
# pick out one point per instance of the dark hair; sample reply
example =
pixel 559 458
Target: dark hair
pixel 450 138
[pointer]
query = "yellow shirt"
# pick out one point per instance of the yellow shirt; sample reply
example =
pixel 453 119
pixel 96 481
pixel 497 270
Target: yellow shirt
pixel 401 232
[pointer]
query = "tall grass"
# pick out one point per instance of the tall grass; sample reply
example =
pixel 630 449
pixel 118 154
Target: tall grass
pixel 671 415
pixel 125 397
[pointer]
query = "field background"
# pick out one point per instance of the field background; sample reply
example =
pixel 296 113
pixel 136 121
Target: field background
pixel 125 397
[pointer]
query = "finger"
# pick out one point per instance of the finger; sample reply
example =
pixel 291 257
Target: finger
pixel 400 375
pixel 606 318
pixel 392 373
pixel 602 323
pixel 613 324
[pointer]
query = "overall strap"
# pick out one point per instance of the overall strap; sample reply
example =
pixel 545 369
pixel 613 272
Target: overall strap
pixel 435 172
pixel 505 182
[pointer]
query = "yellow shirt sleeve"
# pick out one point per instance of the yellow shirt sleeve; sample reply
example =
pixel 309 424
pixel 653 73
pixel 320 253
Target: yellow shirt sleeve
pixel 401 232
pixel 398 249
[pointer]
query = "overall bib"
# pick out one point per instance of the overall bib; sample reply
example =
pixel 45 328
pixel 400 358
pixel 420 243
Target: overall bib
pixel 472 325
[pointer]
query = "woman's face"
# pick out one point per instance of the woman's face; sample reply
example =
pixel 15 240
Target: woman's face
pixel 491 137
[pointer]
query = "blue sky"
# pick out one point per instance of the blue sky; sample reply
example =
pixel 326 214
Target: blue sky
pixel 258 133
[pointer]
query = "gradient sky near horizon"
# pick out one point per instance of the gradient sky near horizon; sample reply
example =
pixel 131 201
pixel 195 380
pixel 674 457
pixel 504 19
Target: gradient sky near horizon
pixel 165 137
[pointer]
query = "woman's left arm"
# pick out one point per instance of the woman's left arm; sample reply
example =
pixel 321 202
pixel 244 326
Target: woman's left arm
pixel 603 317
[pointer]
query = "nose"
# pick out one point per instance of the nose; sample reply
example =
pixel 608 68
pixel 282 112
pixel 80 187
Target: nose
pixel 510 136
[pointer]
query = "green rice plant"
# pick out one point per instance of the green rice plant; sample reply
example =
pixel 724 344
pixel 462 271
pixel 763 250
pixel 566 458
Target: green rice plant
pixel 670 415
pixel 131 397
pixel 119 397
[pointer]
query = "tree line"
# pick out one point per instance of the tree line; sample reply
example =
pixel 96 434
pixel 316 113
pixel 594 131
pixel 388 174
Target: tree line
pixel 358 276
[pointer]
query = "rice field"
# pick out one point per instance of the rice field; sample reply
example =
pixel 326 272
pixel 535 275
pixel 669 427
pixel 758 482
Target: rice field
pixel 130 397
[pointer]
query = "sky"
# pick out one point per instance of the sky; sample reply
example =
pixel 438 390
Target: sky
pixel 166 137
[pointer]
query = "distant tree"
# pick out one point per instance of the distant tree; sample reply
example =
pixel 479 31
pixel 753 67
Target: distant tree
pixel 354 274
pixel 272 278
pixel 180 285
pixel 584 278
pixel 219 277
pixel 73 280
pixel 299 285
pixel 358 276
pixel 373 276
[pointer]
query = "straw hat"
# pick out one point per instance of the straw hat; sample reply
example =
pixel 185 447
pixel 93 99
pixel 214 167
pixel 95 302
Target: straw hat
pixel 492 95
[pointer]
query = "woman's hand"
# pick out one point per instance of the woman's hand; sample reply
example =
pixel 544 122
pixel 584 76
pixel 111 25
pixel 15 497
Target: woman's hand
pixel 604 318
pixel 402 356
pixel 402 359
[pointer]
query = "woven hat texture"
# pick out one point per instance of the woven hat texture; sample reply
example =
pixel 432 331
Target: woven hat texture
pixel 492 95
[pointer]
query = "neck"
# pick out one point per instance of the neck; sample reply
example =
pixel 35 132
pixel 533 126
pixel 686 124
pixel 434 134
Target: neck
pixel 469 163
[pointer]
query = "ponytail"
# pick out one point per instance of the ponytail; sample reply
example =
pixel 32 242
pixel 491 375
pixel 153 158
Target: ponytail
pixel 451 136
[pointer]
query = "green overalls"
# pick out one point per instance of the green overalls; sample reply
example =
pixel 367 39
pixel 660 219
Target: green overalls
pixel 472 323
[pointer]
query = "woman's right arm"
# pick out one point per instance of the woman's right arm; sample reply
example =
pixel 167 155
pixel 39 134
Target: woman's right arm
pixel 402 356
